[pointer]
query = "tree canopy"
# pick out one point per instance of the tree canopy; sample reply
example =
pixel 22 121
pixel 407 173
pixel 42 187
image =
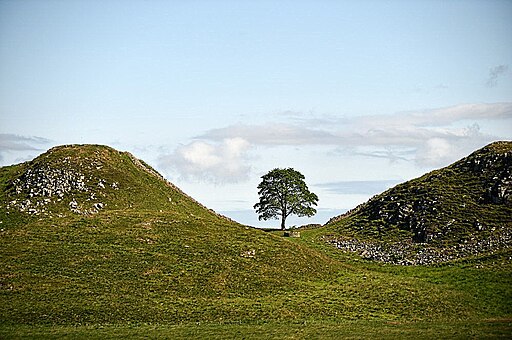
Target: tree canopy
pixel 284 192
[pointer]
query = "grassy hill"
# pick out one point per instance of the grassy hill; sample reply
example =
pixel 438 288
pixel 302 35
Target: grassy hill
pixel 93 242
pixel 91 234
pixel 462 210
pixel 83 180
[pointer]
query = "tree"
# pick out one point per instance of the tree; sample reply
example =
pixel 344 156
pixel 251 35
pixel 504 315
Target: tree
pixel 283 192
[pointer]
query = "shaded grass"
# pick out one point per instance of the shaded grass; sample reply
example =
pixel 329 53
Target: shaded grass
pixel 490 329
pixel 476 287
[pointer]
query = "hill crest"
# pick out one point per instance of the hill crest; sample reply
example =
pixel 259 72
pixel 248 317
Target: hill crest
pixel 461 210
pixel 87 179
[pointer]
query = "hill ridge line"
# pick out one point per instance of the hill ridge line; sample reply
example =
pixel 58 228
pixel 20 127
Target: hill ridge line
pixel 148 169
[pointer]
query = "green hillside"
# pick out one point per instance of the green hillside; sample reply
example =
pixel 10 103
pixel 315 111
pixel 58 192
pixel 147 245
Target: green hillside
pixel 93 242
pixel 106 232
pixel 459 211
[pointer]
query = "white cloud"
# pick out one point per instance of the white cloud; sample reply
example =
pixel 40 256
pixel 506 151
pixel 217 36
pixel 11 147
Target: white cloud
pixel 428 138
pixel 441 151
pixel 272 134
pixel 434 151
pixel 433 137
pixel 428 121
pixel 223 162
pixel 200 154
pixel 358 187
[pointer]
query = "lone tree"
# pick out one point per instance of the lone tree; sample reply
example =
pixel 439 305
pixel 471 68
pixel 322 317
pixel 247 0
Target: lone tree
pixel 283 192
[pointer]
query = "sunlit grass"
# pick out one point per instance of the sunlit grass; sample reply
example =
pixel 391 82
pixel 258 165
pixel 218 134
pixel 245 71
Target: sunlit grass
pixel 154 267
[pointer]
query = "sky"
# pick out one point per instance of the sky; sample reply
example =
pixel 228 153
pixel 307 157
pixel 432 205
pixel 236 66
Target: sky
pixel 356 95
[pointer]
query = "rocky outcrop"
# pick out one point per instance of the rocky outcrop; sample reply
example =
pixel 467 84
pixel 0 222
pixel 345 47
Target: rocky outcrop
pixel 496 171
pixel 462 210
pixel 42 185
pixel 49 182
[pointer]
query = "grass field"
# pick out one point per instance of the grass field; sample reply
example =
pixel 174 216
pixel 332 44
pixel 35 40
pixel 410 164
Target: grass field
pixel 104 283
pixel 490 329
pixel 155 264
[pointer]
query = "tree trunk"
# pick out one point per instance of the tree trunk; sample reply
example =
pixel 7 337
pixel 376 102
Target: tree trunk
pixel 283 226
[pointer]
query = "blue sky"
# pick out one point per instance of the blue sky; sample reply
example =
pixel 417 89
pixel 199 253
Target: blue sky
pixel 357 95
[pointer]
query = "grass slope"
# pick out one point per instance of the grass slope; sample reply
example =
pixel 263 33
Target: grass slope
pixel 467 202
pixel 146 265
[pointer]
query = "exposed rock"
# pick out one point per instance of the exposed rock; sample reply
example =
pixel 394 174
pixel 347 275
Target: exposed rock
pixel 49 182
pixel 98 206
pixel 40 186
pixel 464 209
pixel 249 253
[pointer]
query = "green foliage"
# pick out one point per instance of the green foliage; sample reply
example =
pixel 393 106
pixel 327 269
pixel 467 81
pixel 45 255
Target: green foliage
pixel 283 192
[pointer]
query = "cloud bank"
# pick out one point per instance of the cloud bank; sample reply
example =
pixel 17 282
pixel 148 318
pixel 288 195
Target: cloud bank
pixel 429 138
pixel 358 187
